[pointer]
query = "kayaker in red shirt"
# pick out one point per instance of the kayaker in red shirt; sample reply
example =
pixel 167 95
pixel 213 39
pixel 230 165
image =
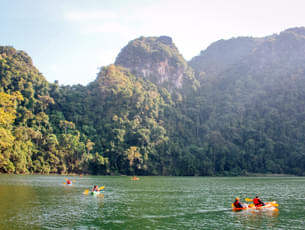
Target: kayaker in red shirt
pixel 257 202
pixel 69 181
pixel 237 203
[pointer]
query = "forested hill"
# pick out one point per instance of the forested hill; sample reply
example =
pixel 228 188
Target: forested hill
pixel 237 108
pixel 252 104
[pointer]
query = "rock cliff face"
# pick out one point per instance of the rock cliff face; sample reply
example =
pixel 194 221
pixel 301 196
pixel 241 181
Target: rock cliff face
pixel 158 60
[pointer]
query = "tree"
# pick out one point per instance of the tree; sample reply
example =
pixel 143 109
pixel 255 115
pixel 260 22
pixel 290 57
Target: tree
pixel 7 117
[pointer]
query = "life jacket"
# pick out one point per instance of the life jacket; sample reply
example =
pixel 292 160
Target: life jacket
pixel 257 202
pixel 237 204
pixel 69 182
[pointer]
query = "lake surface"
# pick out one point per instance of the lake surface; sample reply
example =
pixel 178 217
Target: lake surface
pixel 44 202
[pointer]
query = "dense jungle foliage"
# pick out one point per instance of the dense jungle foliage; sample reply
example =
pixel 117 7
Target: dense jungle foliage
pixel 32 139
pixel 240 109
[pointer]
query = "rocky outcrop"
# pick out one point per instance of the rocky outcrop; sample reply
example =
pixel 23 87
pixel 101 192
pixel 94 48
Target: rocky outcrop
pixel 158 60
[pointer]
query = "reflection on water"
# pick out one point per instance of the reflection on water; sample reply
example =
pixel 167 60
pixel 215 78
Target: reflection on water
pixel 44 202
pixel 16 206
pixel 257 218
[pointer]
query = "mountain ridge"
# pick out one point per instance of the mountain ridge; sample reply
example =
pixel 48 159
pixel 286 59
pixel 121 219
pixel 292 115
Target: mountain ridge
pixel 237 108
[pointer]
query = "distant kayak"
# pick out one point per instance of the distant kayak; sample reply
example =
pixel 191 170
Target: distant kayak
pixel 94 193
pixel 68 182
pixel 272 206
pixel 135 178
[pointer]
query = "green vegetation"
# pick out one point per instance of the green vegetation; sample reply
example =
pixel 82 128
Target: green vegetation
pixel 32 139
pixel 241 115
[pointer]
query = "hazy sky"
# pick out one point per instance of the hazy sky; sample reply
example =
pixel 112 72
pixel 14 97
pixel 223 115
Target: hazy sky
pixel 69 40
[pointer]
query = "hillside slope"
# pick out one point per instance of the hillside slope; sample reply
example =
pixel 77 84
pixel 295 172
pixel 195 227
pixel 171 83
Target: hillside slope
pixel 237 108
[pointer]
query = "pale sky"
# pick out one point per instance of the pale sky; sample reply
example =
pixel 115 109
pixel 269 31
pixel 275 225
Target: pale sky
pixel 69 40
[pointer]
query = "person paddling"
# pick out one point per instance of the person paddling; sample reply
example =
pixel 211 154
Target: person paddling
pixel 69 181
pixel 237 203
pixel 96 188
pixel 257 202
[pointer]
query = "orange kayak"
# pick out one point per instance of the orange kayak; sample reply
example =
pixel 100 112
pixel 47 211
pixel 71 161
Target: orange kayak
pixel 135 178
pixel 268 206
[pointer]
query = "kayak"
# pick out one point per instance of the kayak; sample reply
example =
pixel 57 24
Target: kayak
pixel 96 193
pixel 268 206
pixel 68 182
pixel 135 178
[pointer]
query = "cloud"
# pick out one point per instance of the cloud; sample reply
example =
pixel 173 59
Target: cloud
pixel 89 15
pixel 111 28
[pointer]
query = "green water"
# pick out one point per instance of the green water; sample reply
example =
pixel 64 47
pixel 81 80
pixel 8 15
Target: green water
pixel 44 202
